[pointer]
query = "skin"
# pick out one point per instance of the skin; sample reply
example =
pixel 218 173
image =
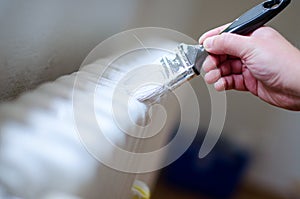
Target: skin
pixel 263 63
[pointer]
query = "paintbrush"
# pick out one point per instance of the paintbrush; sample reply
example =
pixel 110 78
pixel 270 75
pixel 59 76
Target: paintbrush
pixel 187 60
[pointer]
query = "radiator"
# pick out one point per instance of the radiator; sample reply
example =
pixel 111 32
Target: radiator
pixel 67 138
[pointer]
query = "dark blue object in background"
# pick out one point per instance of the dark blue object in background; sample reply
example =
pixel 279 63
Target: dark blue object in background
pixel 216 176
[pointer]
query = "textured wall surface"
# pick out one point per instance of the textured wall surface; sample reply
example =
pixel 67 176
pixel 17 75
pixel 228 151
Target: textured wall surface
pixel 41 40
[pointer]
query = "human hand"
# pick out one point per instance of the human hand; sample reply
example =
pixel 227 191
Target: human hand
pixel 263 63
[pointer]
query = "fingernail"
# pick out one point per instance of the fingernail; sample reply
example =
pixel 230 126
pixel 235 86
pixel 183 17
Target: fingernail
pixel 220 85
pixel 208 43
pixel 200 39
pixel 207 65
pixel 207 78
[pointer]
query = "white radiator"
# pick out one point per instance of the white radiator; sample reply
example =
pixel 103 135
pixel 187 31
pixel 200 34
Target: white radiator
pixel 66 139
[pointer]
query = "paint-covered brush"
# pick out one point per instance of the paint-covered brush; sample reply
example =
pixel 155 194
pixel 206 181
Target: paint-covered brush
pixel 187 60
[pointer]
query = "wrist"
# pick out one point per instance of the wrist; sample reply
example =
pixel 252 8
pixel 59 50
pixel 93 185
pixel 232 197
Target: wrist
pixel 293 73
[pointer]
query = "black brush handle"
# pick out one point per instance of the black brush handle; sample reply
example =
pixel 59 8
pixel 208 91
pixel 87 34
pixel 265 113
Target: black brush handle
pixel 257 17
pixel 245 24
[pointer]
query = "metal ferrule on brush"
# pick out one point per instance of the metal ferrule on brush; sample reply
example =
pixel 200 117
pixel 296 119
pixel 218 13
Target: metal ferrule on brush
pixel 178 68
pixel 186 64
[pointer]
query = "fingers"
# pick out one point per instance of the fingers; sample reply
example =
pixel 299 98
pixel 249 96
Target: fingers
pixel 212 32
pixel 230 44
pixel 220 85
pixel 213 76
pixel 212 61
pixel 226 68
pixel 227 76
pixel 231 82
pixel 223 66
pixel 231 67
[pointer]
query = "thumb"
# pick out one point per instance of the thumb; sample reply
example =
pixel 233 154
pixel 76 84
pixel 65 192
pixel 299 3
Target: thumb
pixel 228 43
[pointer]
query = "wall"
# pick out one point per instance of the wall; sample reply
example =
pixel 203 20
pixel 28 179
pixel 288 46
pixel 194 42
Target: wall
pixel 40 40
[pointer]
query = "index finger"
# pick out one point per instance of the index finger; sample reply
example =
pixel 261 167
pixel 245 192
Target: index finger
pixel 212 32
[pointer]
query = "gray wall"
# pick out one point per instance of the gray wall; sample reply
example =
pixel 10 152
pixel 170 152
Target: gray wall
pixel 41 40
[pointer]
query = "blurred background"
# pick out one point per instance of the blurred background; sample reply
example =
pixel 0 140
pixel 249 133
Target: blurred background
pixel 259 153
